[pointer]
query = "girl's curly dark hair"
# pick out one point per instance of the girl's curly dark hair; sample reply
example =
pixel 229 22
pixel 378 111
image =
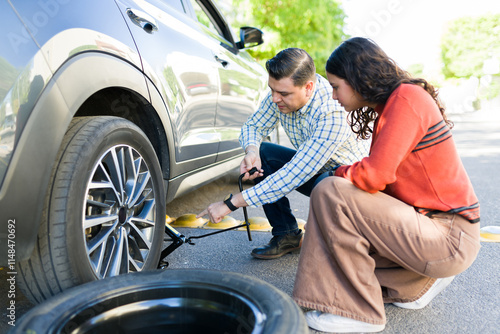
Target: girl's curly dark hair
pixel 371 73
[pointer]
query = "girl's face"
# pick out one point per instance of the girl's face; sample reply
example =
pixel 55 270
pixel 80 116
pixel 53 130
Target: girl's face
pixel 345 94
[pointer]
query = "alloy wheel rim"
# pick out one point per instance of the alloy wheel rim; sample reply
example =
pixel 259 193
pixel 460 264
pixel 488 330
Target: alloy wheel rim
pixel 119 212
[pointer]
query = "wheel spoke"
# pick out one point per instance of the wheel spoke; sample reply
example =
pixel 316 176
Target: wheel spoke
pixel 143 179
pixel 100 220
pixel 143 240
pixel 119 256
pixel 116 171
pixel 99 240
pixel 107 258
pixel 99 249
pixel 132 174
pixel 104 207
pixel 146 216
pixel 134 265
pixel 102 180
pixel 136 258
pixel 142 221
pixel 101 185
pixel 125 258
pixel 97 255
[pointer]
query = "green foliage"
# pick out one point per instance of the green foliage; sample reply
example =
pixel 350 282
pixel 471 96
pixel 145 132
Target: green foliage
pixel 416 70
pixel 315 26
pixel 467 43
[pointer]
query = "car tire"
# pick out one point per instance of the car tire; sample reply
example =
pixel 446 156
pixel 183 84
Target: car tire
pixel 169 301
pixel 104 211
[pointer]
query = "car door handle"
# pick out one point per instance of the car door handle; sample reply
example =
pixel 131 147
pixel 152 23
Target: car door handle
pixel 222 61
pixel 143 20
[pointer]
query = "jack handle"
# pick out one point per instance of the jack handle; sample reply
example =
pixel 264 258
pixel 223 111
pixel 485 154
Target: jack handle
pixel 247 223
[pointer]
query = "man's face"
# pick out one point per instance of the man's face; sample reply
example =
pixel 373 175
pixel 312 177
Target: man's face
pixel 289 97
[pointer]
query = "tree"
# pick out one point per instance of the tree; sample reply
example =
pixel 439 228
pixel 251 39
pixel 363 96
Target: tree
pixel 468 43
pixel 315 26
pixel 471 48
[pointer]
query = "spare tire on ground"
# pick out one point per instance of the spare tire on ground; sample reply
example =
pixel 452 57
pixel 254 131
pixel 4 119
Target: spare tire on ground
pixel 168 301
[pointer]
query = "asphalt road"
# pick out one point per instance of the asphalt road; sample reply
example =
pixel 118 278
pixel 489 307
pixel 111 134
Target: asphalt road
pixel 471 304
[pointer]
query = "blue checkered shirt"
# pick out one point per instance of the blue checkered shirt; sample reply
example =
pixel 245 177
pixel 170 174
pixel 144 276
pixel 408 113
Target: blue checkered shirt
pixel 318 131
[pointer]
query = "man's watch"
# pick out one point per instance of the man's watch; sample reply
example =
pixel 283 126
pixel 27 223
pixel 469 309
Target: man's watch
pixel 230 205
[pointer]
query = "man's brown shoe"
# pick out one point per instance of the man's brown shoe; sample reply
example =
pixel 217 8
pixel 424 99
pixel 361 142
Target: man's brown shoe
pixel 279 246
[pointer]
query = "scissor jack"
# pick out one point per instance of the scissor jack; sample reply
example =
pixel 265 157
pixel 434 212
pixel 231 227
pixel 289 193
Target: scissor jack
pixel 178 239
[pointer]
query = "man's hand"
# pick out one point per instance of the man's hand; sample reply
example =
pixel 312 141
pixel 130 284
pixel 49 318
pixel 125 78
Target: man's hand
pixel 251 160
pixel 215 211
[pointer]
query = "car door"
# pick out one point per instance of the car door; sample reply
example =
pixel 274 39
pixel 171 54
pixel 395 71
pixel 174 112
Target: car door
pixel 241 79
pixel 181 66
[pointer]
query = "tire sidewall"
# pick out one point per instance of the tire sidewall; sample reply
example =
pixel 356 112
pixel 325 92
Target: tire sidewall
pixel 282 315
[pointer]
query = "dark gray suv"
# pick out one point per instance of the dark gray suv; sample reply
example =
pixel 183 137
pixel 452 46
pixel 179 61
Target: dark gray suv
pixel 109 110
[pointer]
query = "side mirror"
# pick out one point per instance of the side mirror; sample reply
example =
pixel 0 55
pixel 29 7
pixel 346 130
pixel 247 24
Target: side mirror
pixel 250 37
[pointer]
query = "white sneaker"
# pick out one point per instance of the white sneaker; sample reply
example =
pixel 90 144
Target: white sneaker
pixel 436 288
pixel 327 322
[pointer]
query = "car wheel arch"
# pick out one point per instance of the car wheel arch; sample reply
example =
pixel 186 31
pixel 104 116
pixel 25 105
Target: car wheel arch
pixel 125 92
pixel 57 105
pixel 128 104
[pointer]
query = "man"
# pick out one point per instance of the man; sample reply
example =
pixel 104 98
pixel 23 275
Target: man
pixel 300 100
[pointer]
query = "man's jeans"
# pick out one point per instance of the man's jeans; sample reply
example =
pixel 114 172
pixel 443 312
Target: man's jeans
pixel 279 214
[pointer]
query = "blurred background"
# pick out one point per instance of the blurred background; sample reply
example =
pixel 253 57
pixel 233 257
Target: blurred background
pixel 454 44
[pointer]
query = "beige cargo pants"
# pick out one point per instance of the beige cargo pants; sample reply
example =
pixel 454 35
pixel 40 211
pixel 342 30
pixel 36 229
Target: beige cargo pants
pixel 362 250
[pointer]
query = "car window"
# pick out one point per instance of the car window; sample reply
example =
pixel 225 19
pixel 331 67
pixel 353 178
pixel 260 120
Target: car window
pixel 209 17
pixel 175 4
pixel 206 19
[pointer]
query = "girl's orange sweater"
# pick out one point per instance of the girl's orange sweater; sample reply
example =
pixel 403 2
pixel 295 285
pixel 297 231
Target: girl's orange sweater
pixel 413 157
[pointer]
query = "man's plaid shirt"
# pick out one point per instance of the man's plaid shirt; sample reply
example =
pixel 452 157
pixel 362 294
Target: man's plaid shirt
pixel 318 131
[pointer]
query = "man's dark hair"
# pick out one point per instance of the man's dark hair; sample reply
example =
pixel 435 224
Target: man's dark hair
pixel 292 63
